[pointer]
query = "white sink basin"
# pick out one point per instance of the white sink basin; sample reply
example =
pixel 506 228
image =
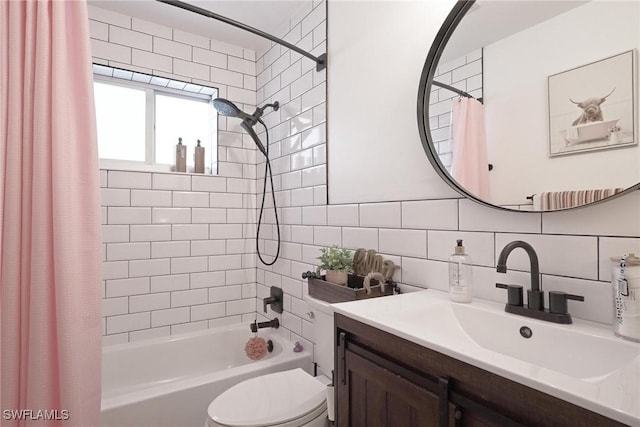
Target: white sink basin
pixel 583 362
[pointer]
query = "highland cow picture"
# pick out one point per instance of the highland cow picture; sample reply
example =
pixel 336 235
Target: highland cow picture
pixel 592 107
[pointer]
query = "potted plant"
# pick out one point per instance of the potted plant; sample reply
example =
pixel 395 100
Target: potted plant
pixel 337 262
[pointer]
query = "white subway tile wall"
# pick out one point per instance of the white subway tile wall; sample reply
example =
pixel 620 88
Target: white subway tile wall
pixel 214 277
pixel 165 236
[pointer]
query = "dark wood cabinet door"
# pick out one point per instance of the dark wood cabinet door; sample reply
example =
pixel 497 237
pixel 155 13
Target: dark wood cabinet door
pixel 376 397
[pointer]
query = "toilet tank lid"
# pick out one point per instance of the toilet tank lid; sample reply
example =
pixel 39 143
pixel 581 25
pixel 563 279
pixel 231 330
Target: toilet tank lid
pixel 269 399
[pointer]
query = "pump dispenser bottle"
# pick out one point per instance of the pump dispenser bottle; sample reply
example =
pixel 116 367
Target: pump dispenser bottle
pixel 460 275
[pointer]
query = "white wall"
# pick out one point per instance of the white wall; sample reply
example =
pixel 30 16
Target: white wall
pixel 376 53
pixel 516 106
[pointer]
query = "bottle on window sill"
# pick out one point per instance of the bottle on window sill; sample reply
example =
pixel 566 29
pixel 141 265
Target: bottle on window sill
pixel 198 158
pixel 181 156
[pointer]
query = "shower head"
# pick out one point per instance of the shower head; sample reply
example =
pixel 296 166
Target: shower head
pixel 229 109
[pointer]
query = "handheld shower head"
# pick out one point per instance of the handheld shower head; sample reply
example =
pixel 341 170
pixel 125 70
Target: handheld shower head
pixel 229 109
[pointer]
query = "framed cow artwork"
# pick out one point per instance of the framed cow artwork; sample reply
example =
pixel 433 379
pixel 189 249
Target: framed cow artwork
pixel 592 107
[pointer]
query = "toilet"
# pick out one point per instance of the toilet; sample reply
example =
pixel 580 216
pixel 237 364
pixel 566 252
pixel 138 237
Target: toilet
pixel 287 399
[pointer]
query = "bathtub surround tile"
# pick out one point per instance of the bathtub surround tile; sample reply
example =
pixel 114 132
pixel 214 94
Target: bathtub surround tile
pixel 225 200
pixel 119 179
pixel 241 306
pixel 208 311
pixel 207 279
pixel 208 247
pixel 149 302
pixel 171 215
pixel 115 270
pixel 163 181
pixel 189 297
pixel 208 216
pixel 150 198
pixel 123 287
pixel 225 231
pixel 225 262
pixel 171 316
pixel 170 249
pixel 150 233
pixel 174 282
pixel 128 322
pixel 189 231
pixel 115 306
pixel 225 293
pixel 190 199
pixel 114 197
pixel 149 267
pixel 209 183
pixel 115 233
pixel 127 251
pixel 189 265
pixel 127 215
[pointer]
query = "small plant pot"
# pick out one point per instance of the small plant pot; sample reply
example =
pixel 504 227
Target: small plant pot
pixel 337 277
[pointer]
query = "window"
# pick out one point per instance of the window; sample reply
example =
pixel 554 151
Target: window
pixel 141 117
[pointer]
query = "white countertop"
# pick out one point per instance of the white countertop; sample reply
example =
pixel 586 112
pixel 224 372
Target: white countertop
pixel 425 318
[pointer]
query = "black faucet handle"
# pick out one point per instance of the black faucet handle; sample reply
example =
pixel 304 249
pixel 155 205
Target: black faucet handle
pixel 558 301
pixel 514 293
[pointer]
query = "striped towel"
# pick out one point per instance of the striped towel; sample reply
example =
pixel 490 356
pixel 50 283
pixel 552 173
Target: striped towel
pixel 553 200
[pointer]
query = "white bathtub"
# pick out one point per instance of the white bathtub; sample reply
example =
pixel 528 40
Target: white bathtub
pixel 171 381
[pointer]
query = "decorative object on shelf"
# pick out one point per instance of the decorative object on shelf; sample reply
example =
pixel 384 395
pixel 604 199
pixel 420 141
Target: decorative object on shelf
pixel 198 159
pixel 181 156
pixel 337 262
pixel 371 276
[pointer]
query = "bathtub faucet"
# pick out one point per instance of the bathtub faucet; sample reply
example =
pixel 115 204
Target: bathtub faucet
pixel 275 323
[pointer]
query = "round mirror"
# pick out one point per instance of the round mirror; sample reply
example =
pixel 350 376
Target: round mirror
pixel 533 105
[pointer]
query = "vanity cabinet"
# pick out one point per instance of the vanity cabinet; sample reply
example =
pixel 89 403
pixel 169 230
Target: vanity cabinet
pixel 384 380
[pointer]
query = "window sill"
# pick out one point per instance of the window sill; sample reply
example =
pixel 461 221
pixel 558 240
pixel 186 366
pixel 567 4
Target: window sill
pixel 129 166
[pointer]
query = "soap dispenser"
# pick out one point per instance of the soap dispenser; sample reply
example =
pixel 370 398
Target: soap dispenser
pixel 460 275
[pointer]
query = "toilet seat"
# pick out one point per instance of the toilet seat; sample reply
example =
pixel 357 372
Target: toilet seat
pixel 282 398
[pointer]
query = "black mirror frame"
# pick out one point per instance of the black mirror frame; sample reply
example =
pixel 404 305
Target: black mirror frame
pixel 452 21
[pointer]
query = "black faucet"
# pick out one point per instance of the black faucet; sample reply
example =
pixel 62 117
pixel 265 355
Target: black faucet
pixel 557 312
pixel 274 323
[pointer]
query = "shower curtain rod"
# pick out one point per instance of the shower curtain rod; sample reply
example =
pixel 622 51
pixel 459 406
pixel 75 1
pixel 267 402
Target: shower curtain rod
pixel 321 61
pixel 453 89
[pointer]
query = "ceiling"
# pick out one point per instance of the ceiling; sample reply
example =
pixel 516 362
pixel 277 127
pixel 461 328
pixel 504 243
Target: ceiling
pixel 270 16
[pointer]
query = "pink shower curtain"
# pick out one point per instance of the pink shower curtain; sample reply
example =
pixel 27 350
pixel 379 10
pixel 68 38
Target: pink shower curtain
pixel 469 166
pixel 50 254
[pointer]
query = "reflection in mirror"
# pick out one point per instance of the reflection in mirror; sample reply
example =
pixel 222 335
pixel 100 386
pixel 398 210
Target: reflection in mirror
pixel 141 118
pixel 545 94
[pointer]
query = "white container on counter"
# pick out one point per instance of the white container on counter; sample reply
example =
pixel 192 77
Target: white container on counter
pixel 625 280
